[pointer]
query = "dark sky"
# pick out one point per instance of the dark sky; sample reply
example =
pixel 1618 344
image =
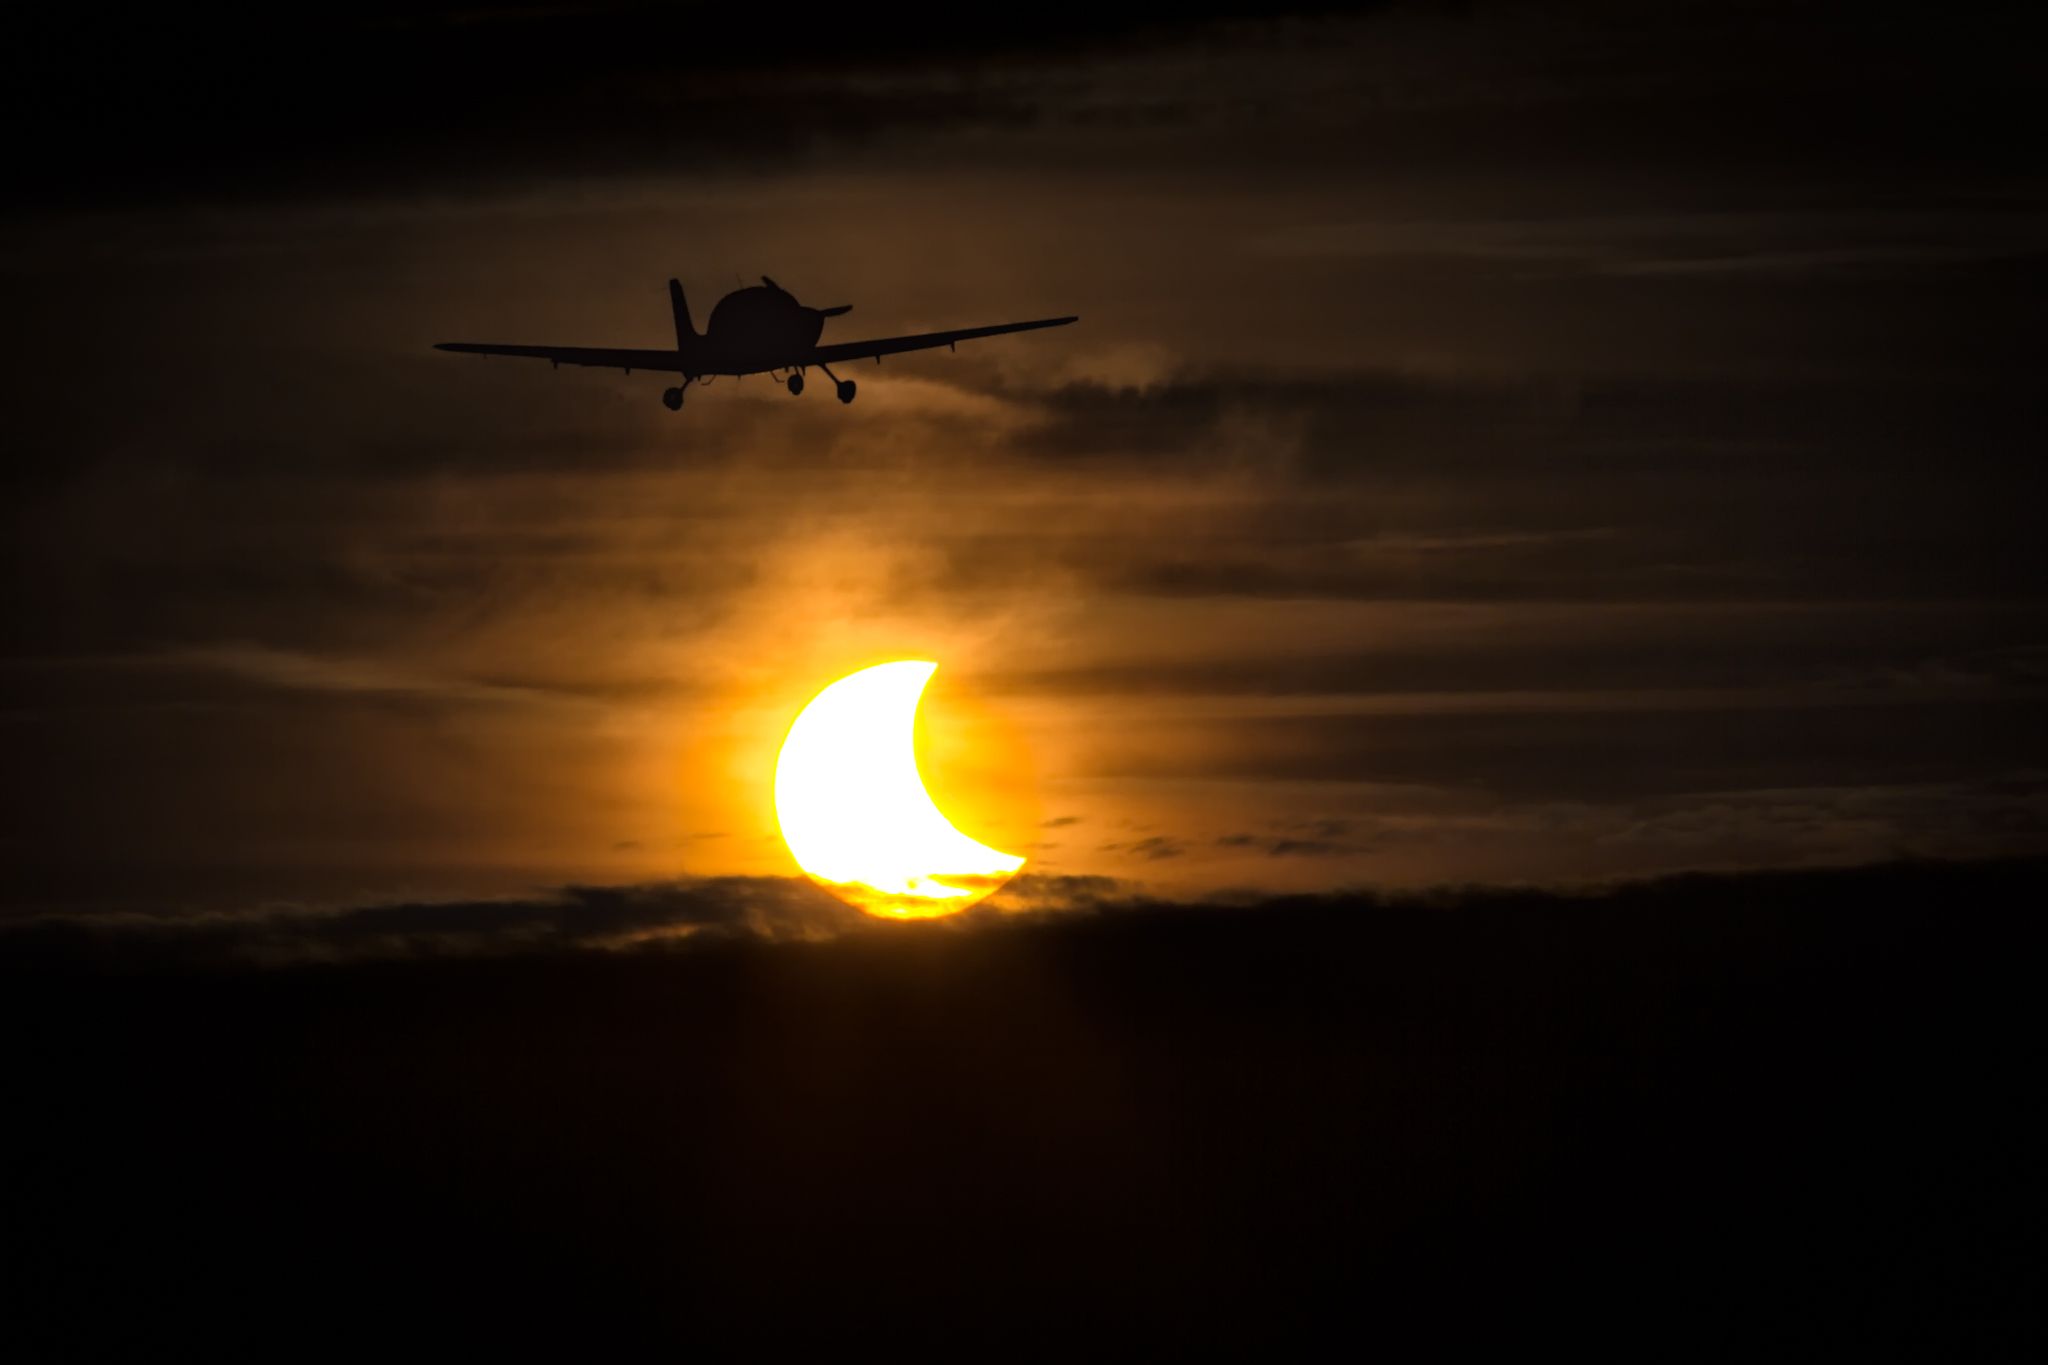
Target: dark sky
pixel 1502 442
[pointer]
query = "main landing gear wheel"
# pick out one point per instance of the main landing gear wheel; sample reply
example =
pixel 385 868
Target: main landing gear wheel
pixel 796 385
pixel 672 399
pixel 843 387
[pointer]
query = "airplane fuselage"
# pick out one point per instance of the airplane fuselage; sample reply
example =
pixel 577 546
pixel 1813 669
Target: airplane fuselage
pixel 755 329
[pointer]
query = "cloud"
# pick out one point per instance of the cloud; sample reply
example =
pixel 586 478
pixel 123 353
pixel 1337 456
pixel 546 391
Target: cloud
pixel 1041 892
pixel 1703 243
pixel 1311 839
pixel 1153 848
pixel 294 671
pixel 651 916
pixel 577 917
pixel 684 915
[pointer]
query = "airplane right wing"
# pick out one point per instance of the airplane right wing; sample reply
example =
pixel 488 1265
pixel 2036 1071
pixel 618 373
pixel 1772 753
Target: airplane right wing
pixel 602 357
pixel 923 341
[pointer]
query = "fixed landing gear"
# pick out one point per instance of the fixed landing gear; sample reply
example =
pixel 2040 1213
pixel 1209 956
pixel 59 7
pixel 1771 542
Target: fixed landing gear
pixel 672 399
pixel 845 388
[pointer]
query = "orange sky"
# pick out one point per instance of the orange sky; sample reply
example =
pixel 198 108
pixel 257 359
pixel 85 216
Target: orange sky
pixel 1444 483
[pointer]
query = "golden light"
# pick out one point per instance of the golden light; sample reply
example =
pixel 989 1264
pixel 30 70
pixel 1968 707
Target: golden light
pixel 854 809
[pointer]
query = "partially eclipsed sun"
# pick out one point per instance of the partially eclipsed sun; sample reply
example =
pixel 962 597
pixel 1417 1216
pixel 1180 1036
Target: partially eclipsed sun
pixel 854 810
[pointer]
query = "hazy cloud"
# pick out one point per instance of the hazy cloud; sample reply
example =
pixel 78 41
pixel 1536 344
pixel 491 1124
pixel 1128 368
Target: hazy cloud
pixel 1152 848
pixel 571 918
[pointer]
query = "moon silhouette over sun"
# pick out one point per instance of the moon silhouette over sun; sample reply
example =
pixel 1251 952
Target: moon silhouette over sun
pixel 854 809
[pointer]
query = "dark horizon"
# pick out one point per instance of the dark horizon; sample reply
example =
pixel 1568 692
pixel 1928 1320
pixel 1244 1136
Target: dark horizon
pixel 1708 1115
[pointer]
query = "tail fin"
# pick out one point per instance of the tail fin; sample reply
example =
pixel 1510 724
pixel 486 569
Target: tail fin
pixel 685 333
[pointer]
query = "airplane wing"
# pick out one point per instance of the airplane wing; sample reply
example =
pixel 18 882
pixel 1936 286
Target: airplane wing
pixel 923 341
pixel 602 357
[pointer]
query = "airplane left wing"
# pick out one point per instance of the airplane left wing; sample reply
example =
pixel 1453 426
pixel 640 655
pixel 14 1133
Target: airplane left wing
pixel 923 341
pixel 602 357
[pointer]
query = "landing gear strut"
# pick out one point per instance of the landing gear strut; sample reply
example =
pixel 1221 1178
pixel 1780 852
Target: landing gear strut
pixel 845 387
pixel 672 399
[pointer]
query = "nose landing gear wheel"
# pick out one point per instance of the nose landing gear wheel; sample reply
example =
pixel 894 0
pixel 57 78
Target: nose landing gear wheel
pixel 796 385
pixel 672 399
pixel 846 390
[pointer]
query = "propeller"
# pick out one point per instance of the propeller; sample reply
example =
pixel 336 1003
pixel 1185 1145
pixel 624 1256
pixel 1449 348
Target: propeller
pixel 821 312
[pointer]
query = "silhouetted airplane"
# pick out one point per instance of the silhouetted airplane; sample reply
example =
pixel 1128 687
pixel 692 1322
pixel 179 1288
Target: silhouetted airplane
pixel 757 330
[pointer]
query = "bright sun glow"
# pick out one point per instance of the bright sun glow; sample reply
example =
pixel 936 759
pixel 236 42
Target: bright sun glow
pixel 854 810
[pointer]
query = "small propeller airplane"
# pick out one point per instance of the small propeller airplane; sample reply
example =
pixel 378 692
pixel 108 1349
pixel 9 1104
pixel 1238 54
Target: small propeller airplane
pixel 761 329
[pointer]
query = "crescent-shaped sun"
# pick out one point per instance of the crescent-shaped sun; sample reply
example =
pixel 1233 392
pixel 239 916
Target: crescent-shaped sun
pixel 854 809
